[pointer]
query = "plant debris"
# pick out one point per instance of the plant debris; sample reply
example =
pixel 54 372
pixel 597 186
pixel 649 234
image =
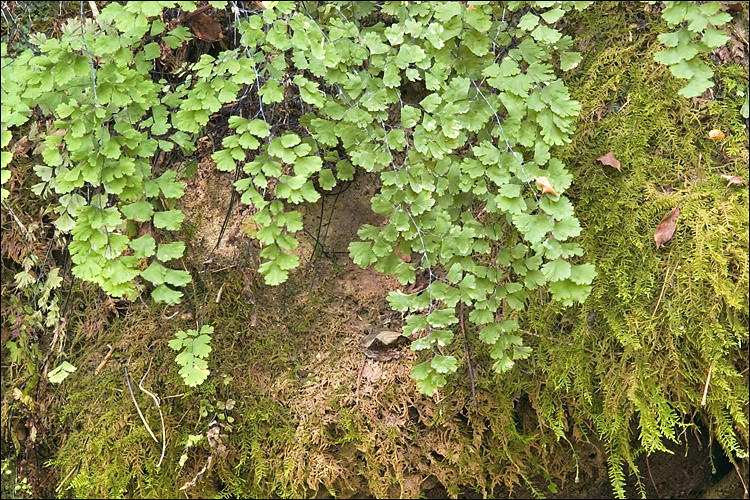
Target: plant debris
pixel 666 227
pixel 609 159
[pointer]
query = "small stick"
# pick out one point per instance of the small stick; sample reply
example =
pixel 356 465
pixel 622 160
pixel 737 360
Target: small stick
pixel 187 15
pixel 359 378
pixel 94 10
pixel 127 378
pixel 156 401
pixel 656 489
pixel 104 361
pixel 468 357
pixel 663 287
pixel 744 485
pixel 169 317
pixel 698 171
pixel 66 478
pixel 634 125
pixel 623 106
pixel 223 268
pixel 708 379
pixel 192 483
pixel 20 224
pixel 218 295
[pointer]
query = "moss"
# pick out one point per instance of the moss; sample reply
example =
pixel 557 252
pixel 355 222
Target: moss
pixel 641 347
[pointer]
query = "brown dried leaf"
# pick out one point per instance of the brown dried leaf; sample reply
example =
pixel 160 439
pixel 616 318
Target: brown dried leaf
pixel 716 135
pixel 22 146
pixel 666 227
pixel 609 159
pixel 405 258
pixel 546 186
pixel 735 7
pixel 385 337
pixel 206 28
pixel 732 179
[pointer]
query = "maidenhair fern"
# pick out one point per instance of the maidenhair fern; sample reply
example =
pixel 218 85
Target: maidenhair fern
pixel 697 34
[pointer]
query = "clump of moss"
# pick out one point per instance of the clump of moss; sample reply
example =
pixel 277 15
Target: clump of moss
pixel 657 321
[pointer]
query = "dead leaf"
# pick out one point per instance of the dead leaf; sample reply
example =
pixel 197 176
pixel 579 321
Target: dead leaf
pixel 716 135
pixel 206 28
pixel 385 337
pixel 735 7
pixel 609 159
pixel 383 345
pixel 405 258
pixel 546 186
pixel 666 227
pixel 22 146
pixel 732 179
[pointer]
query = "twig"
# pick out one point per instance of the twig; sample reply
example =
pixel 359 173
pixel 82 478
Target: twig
pixel 127 378
pixel 205 467
pixel 359 378
pixel 744 485
pixel 218 295
pixel 104 361
pixel 187 15
pixel 66 478
pixel 698 171
pixel 663 287
pixel 20 224
pixel 468 357
pixel 158 407
pixel 632 131
pixel 94 10
pixel 708 379
pixel 623 106
pixel 656 489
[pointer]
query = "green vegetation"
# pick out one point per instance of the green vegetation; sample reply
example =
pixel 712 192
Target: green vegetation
pixel 480 124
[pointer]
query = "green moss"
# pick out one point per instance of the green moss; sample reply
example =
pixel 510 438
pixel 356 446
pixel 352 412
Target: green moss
pixel 641 347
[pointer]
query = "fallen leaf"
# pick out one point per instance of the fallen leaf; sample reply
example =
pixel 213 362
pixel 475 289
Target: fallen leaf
pixel 716 135
pixel 735 7
pixel 405 258
pixel 206 28
pixel 666 227
pixel 609 159
pixel 22 146
pixel 383 345
pixel 385 337
pixel 732 179
pixel 546 186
